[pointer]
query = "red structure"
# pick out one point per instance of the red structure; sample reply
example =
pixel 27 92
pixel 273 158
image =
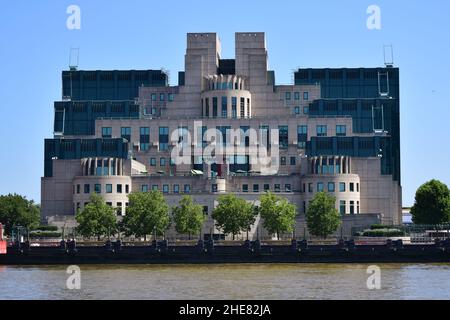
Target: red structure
pixel 2 241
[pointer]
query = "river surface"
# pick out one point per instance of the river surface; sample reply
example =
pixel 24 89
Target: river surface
pixel 241 282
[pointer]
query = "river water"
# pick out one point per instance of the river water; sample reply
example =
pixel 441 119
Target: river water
pixel 241 282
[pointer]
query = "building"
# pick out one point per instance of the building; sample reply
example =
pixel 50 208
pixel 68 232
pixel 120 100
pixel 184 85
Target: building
pixel 333 130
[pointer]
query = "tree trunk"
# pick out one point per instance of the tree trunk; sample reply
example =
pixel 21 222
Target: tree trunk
pixel 145 237
pixel 98 238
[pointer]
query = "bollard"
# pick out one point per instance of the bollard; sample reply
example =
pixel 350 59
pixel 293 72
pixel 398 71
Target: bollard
pixel 163 246
pixel 350 244
pixel 118 245
pixel 108 246
pixel 210 246
pixel 257 246
pixel 303 244
pixel 294 244
pixel 200 246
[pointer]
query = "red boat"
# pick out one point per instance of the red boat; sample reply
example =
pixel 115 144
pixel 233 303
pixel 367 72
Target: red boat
pixel 2 241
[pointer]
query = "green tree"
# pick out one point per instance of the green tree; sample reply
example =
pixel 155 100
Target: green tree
pixel 188 217
pixel 16 210
pixel 432 204
pixel 147 212
pixel 97 218
pixel 322 217
pixel 233 215
pixel 278 214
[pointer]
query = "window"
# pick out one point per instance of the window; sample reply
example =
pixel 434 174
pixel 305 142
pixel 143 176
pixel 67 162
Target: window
pixel 214 107
pixel 97 188
pixel 78 189
pixel 234 107
pixel 296 95
pixel 144 138
pixel 153 96
pixel 302 136
pixel 127 188
pixel 119 188
pixel 352 207
pixel 341 186
pixel 165 188
pixel 207 107
pixel 352 187
pixel 170 96
pixel 155 187
pixel 87 188
pixel 310 187
pixel 266 187
pixel 319 186
pixel 242 108
pixel 162 162
pixel 256 188
pixel 306 95
pixel 162 97
pixel 357 187
pixel 321 131
pixel 224 107
pixel 176 188
pixel 305 110
pixel 125 133
pixel 293 161
pixel 304 206
pixel 205 210
pixel 357 207
pixel 214 187
pixel 119 208
pixel 245 188
pixel 153 162
pixel 109 188
pixel 287 95
pixel 342 207
pixel 283 137
pixel 283 161
pixel 277 188
pixel 109 204
pixel 297 110
pixel 341 130
pixel 144 188
pixel 331 187
pixel 287 188
pixel 163 138
pixel 106 132
pixel 187 188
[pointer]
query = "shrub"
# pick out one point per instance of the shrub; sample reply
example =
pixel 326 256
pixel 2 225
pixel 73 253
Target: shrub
pixel 46 228
pixel 379 226
pixel 45 234
pixel 384 233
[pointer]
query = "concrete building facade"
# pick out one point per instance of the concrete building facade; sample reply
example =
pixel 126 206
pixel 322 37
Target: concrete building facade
pixel 228 127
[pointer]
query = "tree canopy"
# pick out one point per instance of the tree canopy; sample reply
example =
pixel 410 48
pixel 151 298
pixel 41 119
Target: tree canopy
pixel 432 204
pixel 97 218
pixel 188 216
pixel 233 215
pixel 278 214
pixel 16 210
pixel 322 217
pixel 147 212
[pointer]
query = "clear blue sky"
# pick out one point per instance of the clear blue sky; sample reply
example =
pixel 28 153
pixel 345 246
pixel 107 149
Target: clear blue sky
pixel 35 45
